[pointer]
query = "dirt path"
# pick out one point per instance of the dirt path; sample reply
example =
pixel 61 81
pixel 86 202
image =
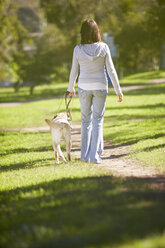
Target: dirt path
pixel 115 157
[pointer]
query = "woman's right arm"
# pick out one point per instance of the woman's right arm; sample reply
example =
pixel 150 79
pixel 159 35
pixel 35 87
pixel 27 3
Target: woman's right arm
pixel 73 73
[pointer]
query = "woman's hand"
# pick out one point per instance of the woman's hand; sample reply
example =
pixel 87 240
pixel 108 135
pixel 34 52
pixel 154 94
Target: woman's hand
pixel 120 96
pixel 72 93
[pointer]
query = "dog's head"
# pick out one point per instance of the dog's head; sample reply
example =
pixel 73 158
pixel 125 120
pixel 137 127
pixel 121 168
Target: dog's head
pixel 66 116
pixel 60 117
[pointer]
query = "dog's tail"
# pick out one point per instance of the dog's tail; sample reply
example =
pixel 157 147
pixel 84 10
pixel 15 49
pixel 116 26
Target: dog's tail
pixel 50 124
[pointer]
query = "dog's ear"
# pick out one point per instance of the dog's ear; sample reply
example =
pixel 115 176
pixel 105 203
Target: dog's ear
pixel 49 123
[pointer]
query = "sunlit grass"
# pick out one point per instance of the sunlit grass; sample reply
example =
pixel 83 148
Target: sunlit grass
pixel 72 204
pixel 77 204
pixel 59 88
pixel 34 113
pixel 28 158
pixel 142 78
pixel 153 241
pixel 42 91
pixel 138 120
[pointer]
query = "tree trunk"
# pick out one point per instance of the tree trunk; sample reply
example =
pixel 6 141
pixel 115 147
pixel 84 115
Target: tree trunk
pixel 31 89
pixel 16 86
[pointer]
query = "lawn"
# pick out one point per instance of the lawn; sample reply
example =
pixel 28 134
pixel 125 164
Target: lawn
pixel 56 88
pixel 139 120
pixel 73 204
pixel 77 204
pixel 142 78
pixel 141 112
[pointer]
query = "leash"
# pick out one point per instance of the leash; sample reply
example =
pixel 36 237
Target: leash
pixel 59 106
pixel 67 104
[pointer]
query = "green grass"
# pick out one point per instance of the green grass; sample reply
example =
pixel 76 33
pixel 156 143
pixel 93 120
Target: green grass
pixel 23 154
pixel 34 113
pixel 142 78
pixel 139 120
pixel 42 91
pixel 57 89
pixel 77 204
pixel 73 204
pixel 141 112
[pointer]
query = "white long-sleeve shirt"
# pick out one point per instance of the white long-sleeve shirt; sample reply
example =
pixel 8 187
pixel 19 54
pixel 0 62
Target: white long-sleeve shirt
pixel 89 61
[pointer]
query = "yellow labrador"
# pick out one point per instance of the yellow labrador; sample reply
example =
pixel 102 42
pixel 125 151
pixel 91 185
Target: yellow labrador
pixel 60 129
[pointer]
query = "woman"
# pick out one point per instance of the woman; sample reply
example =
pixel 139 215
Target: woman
pixel 89 60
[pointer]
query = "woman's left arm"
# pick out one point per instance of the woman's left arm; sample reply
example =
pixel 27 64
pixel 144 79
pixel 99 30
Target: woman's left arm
pixel 73 73
pixel 113 75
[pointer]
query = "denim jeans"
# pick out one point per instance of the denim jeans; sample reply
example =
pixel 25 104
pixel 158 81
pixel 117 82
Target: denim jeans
pixel 92 115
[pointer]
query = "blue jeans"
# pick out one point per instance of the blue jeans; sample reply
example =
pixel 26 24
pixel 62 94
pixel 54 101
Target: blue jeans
pixel 92 115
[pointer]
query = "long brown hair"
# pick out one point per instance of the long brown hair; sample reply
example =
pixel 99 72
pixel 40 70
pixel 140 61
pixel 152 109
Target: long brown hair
pixel 89 32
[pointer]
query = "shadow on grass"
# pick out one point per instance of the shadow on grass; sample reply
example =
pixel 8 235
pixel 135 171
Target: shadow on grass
pixel 26 150
pixel 85 212
pixel 115 156
pixel 151 148
pixel 130 141
pixel 26 165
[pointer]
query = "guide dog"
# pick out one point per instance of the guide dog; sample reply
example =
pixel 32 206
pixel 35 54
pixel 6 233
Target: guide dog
pixel 60 129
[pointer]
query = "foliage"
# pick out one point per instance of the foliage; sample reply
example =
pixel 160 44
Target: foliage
pixel 27 57
pixel 44 62
pixel 12 35
pixel 51 32
pixel 136 25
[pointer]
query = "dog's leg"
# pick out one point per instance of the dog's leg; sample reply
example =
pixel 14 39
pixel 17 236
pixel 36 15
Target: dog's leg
pixel 60 153
pixel 68 149
pixel 56 153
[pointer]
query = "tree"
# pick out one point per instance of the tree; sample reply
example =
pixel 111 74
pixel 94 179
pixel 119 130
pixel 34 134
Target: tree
pixel 156 21
pixel 11 35
pixel 40 64
pixel 138 26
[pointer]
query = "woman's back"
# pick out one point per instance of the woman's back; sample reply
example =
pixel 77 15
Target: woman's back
pixel 91 59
